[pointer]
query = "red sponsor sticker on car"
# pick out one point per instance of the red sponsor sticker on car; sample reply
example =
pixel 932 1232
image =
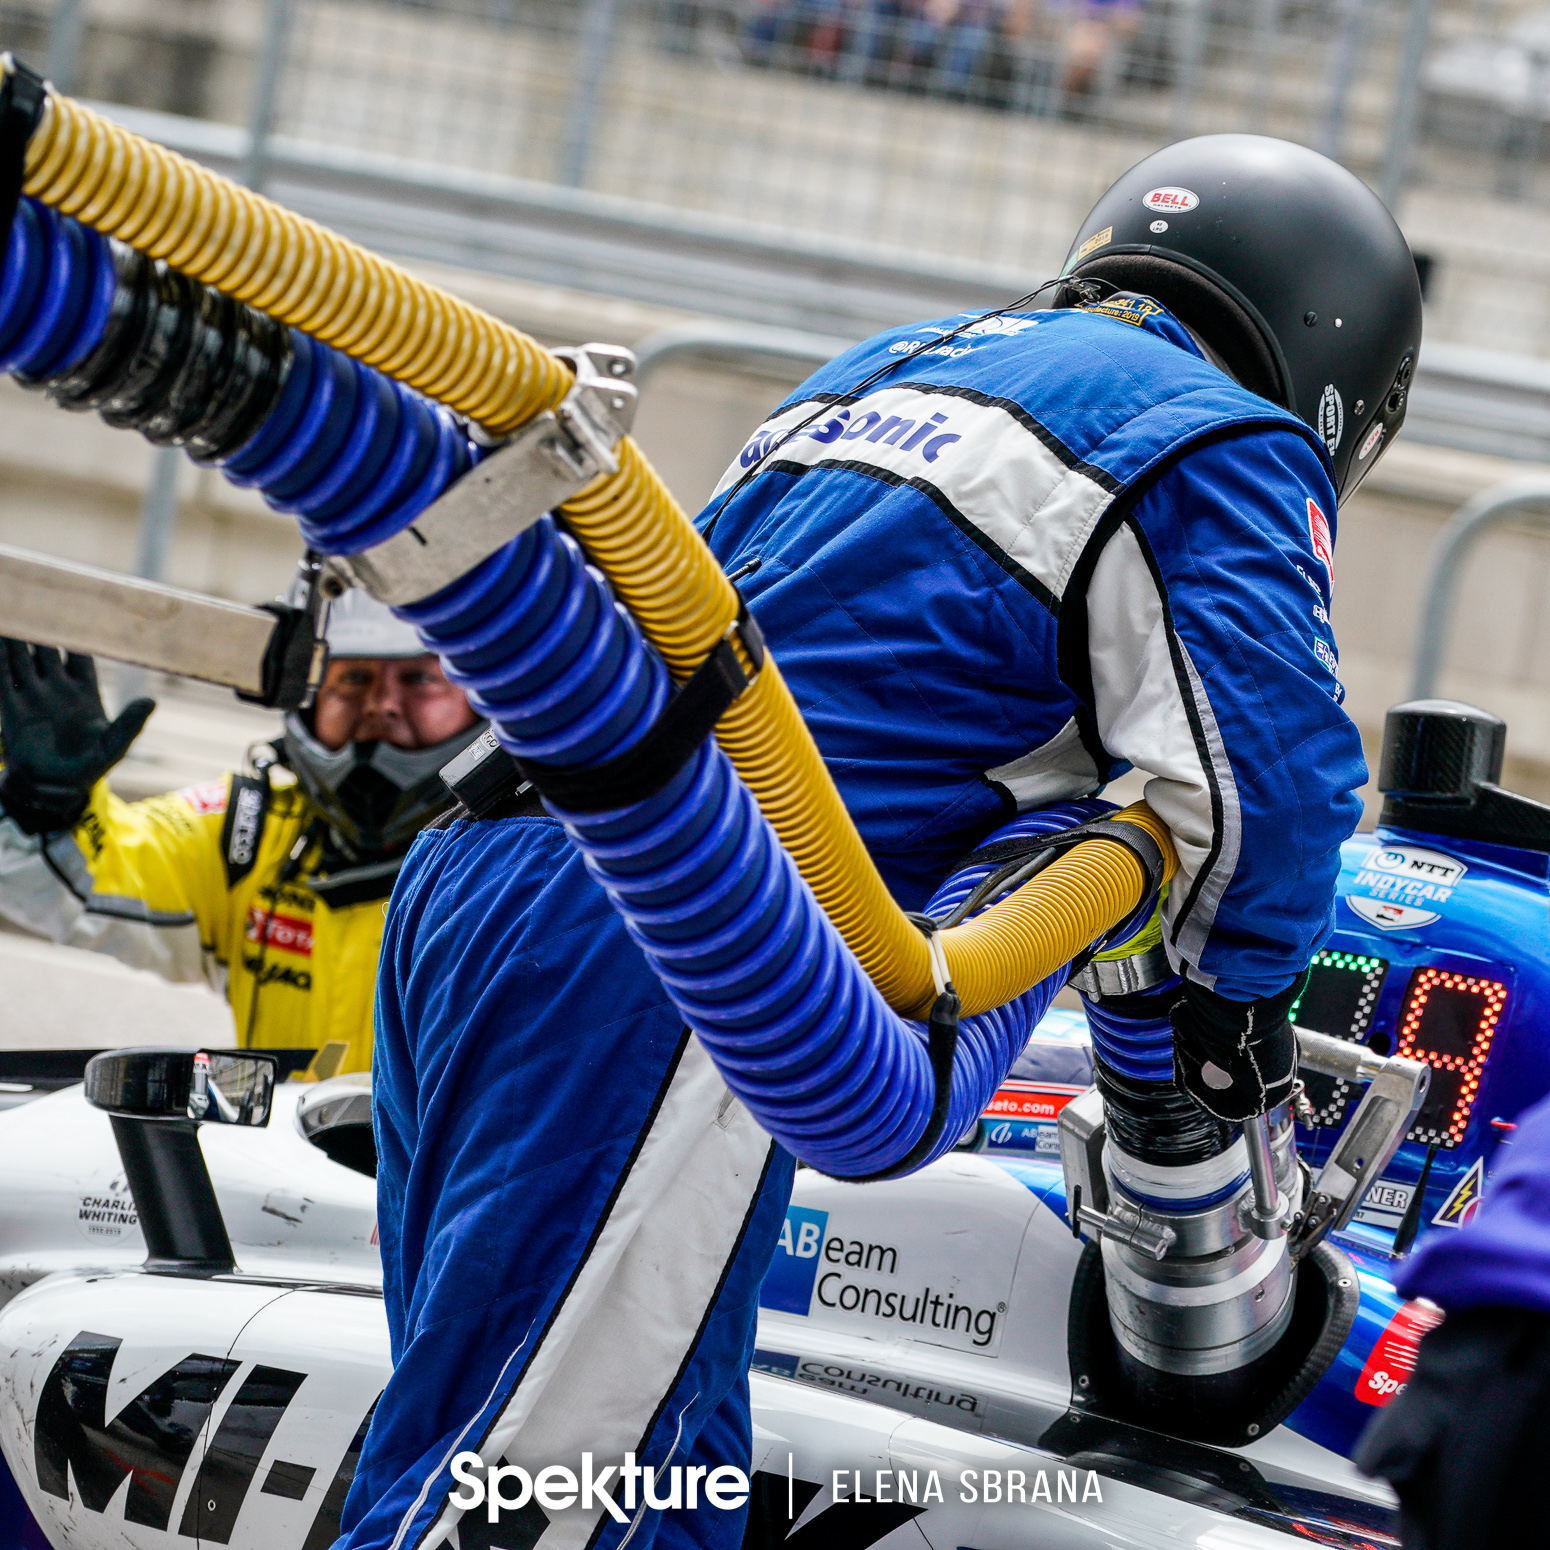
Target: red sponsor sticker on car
pixel 1031 1100
pixel 1318 531
pixel 290 933
pixel 208 797
pixel 1392 1361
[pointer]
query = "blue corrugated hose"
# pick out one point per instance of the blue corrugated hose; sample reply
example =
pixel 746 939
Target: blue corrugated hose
pixel 1135 1048
pixel 534 635
pixel 56 291
pixel 796 1028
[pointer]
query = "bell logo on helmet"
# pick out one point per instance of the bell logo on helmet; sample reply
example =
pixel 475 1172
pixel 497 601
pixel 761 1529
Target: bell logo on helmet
pixel 1370 445
pixel 1175 201
pixel 1331 417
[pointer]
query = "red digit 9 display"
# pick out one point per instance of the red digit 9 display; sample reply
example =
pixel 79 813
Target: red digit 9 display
pixel 1449 1020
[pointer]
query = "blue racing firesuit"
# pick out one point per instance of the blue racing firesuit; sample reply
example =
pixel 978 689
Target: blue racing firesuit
pixel 1501 1258
pixel 1057 546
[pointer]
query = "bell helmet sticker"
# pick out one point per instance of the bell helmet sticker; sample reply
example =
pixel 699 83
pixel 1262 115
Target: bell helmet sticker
pixel 1331 418
pixel 1171 201
pixel 1372 442
pixel 1318 535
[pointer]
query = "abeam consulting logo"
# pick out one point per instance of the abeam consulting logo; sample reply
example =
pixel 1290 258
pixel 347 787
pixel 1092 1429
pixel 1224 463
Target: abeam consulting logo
pixel 810 1261
pixel 788 1288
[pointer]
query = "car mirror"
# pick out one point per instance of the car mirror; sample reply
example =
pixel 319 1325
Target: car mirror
pixel 221 1087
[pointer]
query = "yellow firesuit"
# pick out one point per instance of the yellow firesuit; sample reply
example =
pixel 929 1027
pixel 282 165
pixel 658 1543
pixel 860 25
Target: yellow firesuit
pixel 217 882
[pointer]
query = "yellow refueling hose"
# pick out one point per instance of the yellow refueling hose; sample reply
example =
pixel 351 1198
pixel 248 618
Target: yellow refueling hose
pixel 244 245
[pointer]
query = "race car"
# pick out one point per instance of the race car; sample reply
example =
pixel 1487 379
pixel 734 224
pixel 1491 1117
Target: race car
pixel 194 1337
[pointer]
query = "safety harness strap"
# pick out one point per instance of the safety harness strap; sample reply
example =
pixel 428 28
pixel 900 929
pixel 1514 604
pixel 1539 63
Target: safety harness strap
pixel 484 775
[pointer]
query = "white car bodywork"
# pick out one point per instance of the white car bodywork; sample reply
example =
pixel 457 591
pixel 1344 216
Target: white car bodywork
pixel 289 1209
pixel 144 1412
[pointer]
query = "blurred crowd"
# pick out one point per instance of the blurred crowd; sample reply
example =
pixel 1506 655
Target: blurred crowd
pixel 1010 53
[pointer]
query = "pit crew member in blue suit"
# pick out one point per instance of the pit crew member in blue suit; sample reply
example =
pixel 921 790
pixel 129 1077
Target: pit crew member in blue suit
pixel 1464 1442
pixel 1002 558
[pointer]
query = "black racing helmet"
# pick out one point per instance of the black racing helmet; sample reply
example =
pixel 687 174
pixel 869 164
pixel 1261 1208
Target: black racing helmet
pixel 1286 265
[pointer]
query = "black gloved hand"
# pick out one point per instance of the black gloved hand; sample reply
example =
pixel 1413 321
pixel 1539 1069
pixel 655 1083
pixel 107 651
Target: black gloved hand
pixel 58 740
pixel 1236 1059
pixel 1465 1442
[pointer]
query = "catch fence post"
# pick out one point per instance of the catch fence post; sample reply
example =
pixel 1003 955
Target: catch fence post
pixel 594 44
pixel 1407 100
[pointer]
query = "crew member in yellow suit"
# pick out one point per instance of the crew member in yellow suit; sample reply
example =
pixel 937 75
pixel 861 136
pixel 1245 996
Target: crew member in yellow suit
pixel 270 883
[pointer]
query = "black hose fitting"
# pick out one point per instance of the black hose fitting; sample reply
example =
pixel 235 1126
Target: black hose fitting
pixel 1156 1123
pixel 23 94
pixel 178 362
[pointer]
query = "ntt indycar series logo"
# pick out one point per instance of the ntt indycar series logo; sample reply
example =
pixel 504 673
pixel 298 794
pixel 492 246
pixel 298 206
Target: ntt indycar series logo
pixel 815 1269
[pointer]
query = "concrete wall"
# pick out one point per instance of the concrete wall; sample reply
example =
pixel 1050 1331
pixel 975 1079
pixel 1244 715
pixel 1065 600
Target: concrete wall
pixel 70 485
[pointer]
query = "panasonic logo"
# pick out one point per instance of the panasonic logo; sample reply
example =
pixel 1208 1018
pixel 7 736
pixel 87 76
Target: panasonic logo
pixel 925 437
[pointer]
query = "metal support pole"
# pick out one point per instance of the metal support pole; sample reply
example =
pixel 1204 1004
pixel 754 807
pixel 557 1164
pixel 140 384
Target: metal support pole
pixel 593 47
pixel 1465 528
pixel 266 87
pixel 1407 102
pixel 745 346
pixel 1342 74
pixel 1267 33
pixel 66 33
pixel 159 514
pixel 1190 32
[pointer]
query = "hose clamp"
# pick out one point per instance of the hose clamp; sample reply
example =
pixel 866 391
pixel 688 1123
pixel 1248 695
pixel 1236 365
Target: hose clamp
pixel 552 457
pixel 1123 976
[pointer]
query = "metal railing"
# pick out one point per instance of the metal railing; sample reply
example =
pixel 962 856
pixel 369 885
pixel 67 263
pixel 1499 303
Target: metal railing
pixel 745 346
pixel 948 131
pixel 1516 499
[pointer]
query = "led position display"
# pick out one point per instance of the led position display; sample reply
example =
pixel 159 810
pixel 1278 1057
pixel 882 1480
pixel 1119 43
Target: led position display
pixel 1339 999
pixel 1449 1020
